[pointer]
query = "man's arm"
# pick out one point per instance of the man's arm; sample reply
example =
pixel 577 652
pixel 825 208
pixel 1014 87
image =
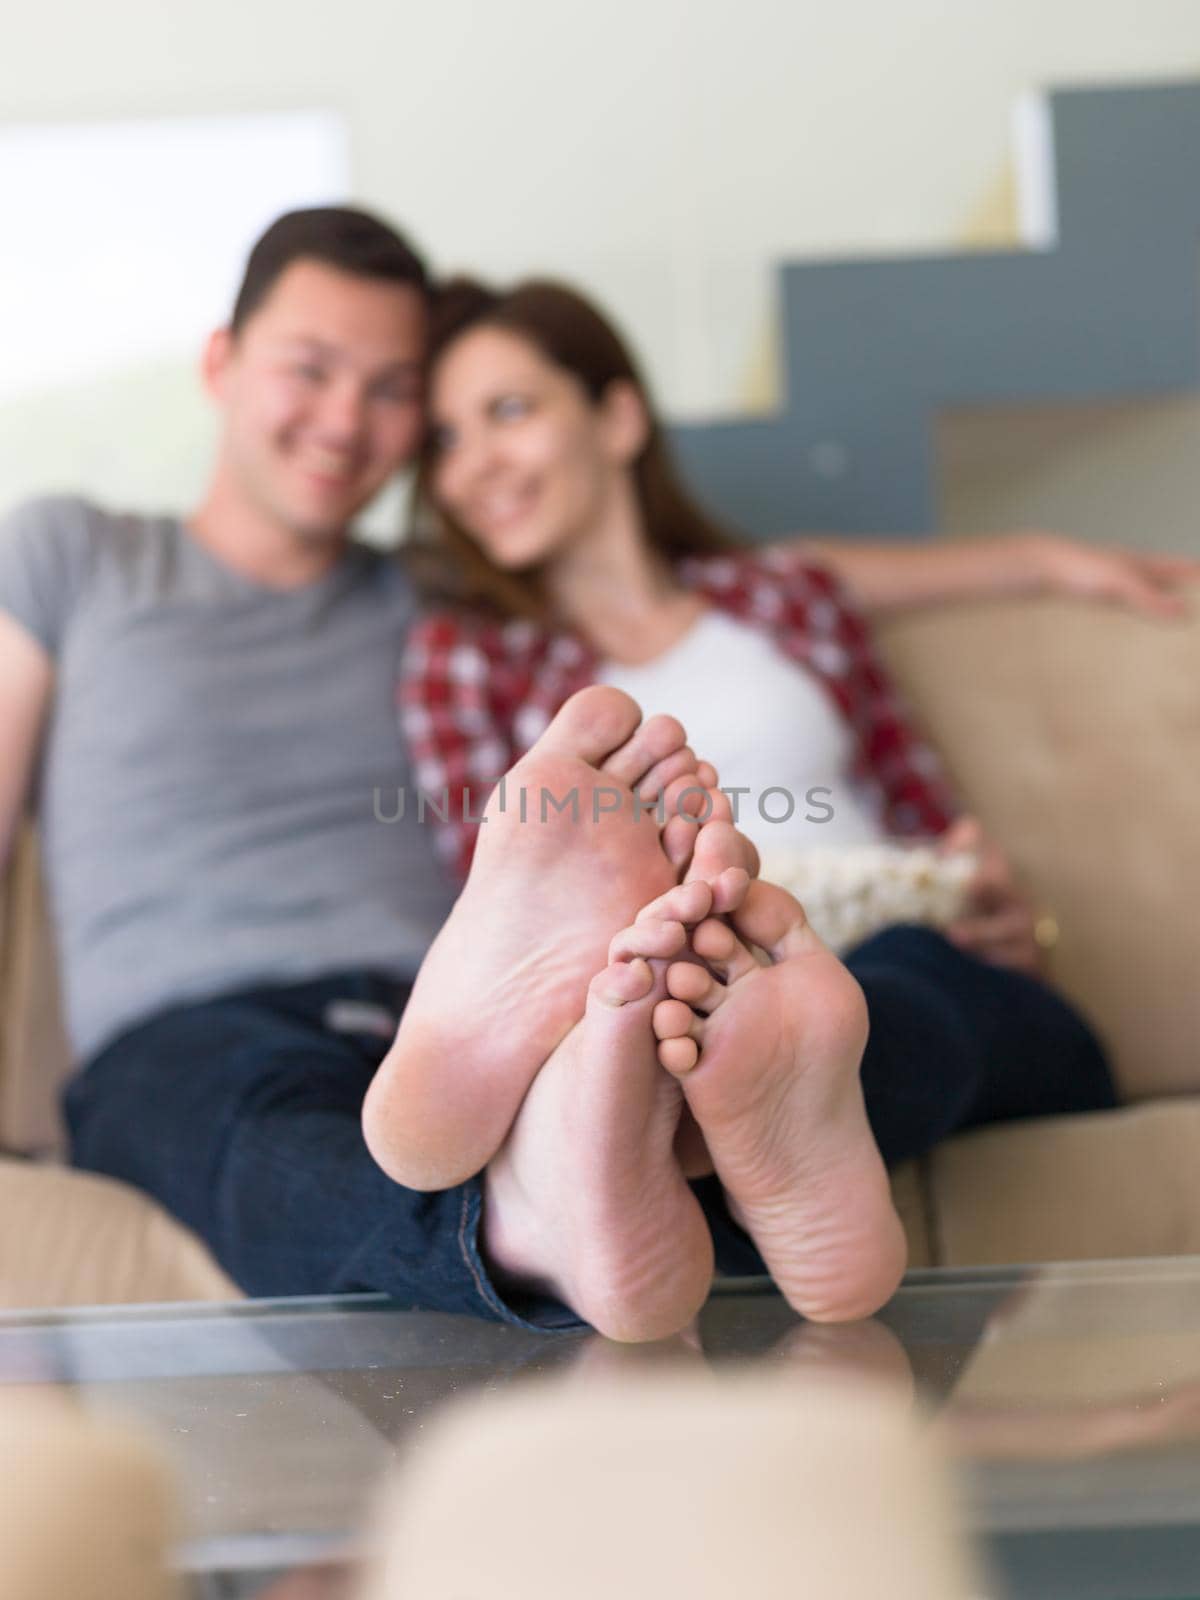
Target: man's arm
pixel 890 575
pixel 26 681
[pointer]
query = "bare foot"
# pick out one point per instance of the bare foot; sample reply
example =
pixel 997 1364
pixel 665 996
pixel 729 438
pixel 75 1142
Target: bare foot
pixel 768 1056
pixel 717 849
pixel 585 1201
pixel 565 856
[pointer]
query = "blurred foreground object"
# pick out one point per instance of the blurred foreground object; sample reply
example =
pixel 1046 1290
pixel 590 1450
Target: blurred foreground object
pixel 87 1509
pixel 764 1486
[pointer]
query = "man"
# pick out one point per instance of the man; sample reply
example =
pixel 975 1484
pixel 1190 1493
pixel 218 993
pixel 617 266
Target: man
pixel 208 709
pixel 214 709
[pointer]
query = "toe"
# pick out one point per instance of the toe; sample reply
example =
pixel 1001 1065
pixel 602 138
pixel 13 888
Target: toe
pixel 678 1056
pixel 678 841
pixel 730 890
pixel 720 809
pixel 719 845
pixel 774 920
pixel 653 939
pixel 695 986
pixel 644 748
pixel 687 808
pixel 621 983
pixel 720 948
pixel 676 765
pixel 686 796
pixel 593 725
pixel 674 1020
pixel 687 903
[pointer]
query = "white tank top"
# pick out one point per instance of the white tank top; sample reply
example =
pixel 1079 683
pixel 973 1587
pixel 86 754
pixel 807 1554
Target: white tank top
pixel 768 725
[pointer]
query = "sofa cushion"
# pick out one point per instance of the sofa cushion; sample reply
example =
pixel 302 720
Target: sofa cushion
pixel 910 1196
pixel 1109 1184
pixel 72 1238
pixel 34 1056
pixel 1074 733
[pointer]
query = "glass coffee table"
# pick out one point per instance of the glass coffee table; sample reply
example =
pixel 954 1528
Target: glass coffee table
pixel 1069 1396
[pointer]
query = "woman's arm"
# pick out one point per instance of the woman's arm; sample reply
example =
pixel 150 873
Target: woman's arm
pixel 891 575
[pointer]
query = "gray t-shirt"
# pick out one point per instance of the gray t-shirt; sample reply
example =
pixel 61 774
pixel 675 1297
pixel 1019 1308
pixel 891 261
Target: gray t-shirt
pixel 219 782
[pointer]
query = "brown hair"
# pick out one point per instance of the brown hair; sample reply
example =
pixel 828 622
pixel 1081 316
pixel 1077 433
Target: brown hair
pixel 572 334
pixel 353 241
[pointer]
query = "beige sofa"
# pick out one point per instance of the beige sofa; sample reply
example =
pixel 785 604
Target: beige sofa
pixel 67 1238
pixel 1074 732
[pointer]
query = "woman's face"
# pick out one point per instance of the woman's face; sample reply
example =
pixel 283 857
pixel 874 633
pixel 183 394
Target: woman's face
pixel 524 461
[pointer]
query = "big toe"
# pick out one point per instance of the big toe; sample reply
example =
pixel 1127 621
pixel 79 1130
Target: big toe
pixel 592 724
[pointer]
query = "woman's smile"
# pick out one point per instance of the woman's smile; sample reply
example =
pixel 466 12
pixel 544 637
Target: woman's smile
pixel 520 457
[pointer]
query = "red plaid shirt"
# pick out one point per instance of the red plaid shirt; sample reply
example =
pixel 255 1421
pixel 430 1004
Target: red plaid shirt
pixel 476 692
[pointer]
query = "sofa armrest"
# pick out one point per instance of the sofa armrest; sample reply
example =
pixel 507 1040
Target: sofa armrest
pixel 34 1054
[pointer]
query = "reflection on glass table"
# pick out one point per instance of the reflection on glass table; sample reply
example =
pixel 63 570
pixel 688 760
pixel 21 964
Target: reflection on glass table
pixel 1068 1396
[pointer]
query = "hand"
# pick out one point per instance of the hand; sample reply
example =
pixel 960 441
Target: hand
pixel 1145 584
pixel 998 920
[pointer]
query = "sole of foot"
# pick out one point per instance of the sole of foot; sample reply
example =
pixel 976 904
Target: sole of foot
pixel 765 1033
pixel 570 847
pixel 586 1201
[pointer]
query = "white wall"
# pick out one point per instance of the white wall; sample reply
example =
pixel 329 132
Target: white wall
pixel 665 152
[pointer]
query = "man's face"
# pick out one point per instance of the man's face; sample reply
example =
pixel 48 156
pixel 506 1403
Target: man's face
pixel 321 391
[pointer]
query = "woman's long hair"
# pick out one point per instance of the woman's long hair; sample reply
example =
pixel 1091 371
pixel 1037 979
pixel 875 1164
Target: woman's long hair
pixel 573 335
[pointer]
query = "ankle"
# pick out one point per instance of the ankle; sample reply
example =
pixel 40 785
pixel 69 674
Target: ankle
pixel 511 1242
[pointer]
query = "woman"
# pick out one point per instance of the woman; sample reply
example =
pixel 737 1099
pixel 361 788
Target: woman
pixel 554 523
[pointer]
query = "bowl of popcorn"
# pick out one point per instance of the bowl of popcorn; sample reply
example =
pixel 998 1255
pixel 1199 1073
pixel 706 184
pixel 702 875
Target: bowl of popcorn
pixel 850 893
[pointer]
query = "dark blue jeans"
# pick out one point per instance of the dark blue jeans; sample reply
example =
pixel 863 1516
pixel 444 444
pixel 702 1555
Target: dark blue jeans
pixel 956 1043
pixel 241 1116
